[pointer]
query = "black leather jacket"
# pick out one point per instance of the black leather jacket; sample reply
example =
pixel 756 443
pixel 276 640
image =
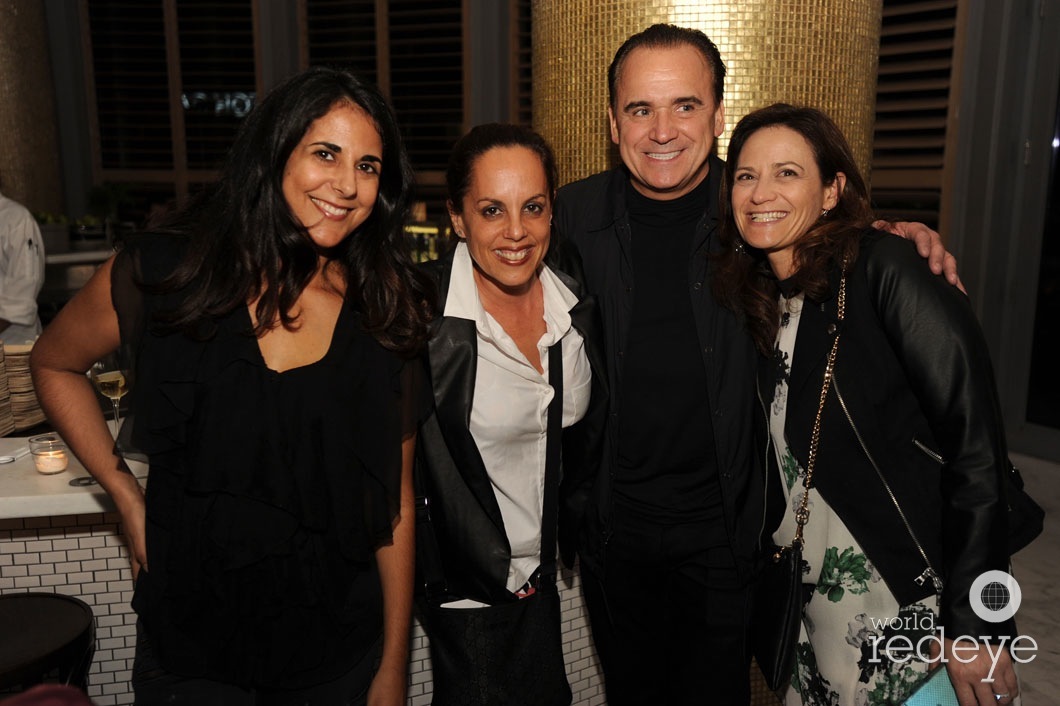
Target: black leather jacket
pixel 466 518
pixel 591 214
pixel 913 411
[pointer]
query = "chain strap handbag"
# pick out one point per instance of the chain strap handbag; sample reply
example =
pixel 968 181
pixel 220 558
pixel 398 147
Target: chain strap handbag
pixel 780 593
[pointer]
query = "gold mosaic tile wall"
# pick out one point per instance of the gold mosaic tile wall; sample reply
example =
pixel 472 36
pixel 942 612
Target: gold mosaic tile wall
pixel 30 161
pixel 821 53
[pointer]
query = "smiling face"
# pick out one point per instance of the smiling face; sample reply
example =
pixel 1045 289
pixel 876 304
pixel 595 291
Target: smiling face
pixel 506 218
pixel 665 119
pixel 331 179
pixel 777 193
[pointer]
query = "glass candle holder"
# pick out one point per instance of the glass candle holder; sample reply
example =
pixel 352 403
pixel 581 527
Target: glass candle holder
pixel 49 453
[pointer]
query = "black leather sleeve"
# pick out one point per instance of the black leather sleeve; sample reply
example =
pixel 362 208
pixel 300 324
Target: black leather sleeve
pixel 937 337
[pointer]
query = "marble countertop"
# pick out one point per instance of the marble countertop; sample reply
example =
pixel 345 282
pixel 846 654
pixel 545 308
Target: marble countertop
pixel 26 493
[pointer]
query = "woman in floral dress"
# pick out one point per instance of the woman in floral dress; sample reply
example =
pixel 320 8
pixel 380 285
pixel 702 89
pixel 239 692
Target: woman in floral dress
pixel 906 506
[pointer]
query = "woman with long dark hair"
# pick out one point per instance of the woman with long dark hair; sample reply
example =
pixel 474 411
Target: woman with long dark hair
pixel 266 332
pixel 884 424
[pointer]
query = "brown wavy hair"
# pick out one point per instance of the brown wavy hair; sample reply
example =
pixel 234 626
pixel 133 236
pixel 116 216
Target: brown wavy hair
pixel 743 280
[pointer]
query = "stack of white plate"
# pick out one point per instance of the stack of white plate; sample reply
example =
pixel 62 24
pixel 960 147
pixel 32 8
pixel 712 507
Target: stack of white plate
pixel 7 420
pixel 24 405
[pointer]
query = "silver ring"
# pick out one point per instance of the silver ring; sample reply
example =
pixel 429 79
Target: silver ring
pixel 998 697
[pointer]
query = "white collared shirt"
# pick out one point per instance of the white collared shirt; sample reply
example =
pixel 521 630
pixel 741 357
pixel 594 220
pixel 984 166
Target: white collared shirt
pixel 21 272
pixel 509 412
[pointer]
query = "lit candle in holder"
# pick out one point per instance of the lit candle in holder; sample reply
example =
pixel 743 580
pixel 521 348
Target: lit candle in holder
pixel 49 453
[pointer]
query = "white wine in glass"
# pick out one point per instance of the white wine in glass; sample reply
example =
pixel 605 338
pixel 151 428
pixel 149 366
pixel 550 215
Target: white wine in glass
pixel 109 379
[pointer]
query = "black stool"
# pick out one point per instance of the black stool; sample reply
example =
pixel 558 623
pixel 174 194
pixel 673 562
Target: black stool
pixel 42 632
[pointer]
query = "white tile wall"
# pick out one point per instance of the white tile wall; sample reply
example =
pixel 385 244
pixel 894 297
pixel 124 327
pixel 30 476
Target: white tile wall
pixel 84 556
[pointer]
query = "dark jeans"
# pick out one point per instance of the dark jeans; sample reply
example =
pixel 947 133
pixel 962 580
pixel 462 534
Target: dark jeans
pixel 153 685
pixel 670 619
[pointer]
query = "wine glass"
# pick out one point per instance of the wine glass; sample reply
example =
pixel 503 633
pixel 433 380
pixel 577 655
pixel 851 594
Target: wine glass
pixel 109 376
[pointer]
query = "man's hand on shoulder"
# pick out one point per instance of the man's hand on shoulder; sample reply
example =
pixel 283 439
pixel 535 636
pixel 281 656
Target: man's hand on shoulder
pixel 929 245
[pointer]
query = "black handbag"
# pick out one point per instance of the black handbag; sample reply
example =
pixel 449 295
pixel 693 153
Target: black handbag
pixel 779 599
pixel 780 595
pixel 510 653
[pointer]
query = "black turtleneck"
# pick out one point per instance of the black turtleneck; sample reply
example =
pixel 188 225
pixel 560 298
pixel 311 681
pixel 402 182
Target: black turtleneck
pixel 667 469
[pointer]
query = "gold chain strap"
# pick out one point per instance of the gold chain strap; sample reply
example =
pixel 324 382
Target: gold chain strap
pixel 802 515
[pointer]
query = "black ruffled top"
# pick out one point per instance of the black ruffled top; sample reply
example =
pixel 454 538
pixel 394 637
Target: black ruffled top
pixel 268 492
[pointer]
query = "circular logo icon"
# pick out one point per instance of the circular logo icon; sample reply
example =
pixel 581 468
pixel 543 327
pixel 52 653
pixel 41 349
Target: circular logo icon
pixel 995 596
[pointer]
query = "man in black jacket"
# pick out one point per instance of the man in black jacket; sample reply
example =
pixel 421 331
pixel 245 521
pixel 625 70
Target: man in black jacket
pixel 674 518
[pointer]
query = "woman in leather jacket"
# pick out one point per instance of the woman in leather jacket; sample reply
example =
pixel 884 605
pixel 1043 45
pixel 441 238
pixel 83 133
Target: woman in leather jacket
pixel 504 461
pixel 906 505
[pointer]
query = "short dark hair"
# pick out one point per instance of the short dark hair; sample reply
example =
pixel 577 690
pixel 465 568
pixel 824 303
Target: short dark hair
pixel 481 139
pixel 660 36
pixel 246 241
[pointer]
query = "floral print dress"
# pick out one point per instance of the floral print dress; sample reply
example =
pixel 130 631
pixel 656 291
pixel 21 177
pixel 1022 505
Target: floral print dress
pixel 840 660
